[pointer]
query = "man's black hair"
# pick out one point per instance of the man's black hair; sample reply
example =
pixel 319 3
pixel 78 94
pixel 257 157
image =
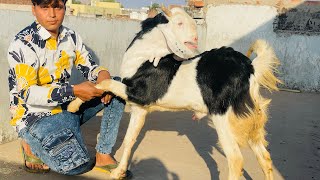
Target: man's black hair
pixel 47 2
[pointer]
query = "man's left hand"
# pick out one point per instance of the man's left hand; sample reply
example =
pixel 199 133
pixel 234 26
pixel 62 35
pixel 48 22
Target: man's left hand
pixel 103 75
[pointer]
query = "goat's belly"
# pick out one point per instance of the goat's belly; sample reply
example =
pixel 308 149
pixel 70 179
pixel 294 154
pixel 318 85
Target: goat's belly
pixel 172 85
pixel 184 91
pixel 178 106
pixel 156 107
pixel 179 103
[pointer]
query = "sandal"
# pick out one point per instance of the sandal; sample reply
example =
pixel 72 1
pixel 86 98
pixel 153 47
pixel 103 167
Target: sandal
pixel 33 160
pixel 109 167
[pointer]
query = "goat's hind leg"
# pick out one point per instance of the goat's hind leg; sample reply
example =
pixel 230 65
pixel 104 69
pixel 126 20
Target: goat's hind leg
pixel 263 157
pixel 229 146
pixel 137 120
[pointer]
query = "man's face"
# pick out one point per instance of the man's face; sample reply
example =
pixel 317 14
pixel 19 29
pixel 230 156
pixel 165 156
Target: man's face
pixel 50 16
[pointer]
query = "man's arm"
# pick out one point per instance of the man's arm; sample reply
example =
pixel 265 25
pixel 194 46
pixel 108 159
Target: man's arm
pixel 103 75
pixel 89 68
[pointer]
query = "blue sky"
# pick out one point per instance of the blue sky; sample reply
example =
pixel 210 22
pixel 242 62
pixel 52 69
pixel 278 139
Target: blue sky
pixel 141 3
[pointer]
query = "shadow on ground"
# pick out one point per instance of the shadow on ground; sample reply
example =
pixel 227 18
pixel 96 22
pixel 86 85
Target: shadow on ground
pixel 200 133
pixel 14 171
pixel 293 135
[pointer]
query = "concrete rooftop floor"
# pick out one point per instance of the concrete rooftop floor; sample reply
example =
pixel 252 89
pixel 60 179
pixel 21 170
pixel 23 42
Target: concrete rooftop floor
pixel 173 147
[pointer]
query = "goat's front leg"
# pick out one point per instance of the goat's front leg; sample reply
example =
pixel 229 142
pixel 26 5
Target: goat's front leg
pixel 116 87
pixel 75 105
pixel 137 120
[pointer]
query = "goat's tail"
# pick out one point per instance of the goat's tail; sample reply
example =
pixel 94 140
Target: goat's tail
pixel 251 128
pixel 265 64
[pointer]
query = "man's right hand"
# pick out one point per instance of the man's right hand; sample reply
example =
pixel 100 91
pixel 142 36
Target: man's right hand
pixel 86 91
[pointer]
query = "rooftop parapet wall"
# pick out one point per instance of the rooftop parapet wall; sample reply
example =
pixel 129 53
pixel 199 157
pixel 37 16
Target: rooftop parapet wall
pixel 280 5
pixel 297 48
pixel 21 2
pixel 294 16
pixel 16 7
pixel 78 9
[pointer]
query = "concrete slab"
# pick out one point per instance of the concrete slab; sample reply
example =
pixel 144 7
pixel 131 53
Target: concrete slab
pixel 173 147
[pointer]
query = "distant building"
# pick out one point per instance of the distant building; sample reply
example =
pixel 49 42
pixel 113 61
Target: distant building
pixel 137 14
pixel 174 5
pixel 195 10
pixel 97 8
pixel 196 3
pixel 152 13
pixel 20 2
pixel 17 5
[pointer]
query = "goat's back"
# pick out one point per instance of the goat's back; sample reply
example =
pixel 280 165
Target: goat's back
pixel 211 82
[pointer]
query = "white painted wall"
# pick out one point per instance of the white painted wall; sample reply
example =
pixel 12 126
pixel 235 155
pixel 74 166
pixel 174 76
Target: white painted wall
pixel 239 25
pixel 138 15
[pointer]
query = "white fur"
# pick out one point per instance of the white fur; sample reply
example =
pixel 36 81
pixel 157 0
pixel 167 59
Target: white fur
pixel 137 120
pixel 154 44
pixel 184 92
pixel 229 145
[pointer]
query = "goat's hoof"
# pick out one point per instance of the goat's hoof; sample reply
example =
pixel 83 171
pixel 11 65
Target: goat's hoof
pixel 74 105
pixel 117 173
pixel 72 109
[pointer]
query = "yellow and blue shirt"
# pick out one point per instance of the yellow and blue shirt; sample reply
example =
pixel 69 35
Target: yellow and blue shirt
pixel 39 71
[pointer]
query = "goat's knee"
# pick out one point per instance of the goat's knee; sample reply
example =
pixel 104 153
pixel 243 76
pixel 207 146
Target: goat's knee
pixel 129 142
pixel 267 166
pixel 235 164
pixel 264 159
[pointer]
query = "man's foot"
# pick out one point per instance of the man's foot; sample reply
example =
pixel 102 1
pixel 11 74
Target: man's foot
pixel 31 162
pixel 104 159
pixel 106 163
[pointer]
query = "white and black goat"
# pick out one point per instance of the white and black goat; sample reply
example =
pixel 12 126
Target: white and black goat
pixel 221 83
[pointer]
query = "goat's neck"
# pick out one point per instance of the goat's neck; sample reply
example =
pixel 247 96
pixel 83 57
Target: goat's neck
pixel 152 44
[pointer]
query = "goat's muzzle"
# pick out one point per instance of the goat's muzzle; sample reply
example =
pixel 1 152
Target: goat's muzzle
pixel 191 45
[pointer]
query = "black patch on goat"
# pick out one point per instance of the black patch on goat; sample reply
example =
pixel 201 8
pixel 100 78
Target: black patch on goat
pixel 148 24
pixel 223 77
pixel 151 83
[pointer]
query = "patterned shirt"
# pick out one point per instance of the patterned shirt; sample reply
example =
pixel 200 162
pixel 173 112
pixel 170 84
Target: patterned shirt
pixel 39 71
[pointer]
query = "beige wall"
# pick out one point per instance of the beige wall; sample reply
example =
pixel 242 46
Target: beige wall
pixel 109 5
pixel 279 4
pixel 22 2
pixel 79 9
pixel 239 25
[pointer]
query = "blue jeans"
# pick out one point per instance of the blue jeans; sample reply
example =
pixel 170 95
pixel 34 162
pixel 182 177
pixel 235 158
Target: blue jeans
pixel 58 142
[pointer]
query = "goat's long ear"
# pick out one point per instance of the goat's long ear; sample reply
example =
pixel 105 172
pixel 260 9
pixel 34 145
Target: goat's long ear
pixel 166 11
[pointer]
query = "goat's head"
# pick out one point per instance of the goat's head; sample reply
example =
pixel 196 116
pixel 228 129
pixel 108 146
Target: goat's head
pixel 180 33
